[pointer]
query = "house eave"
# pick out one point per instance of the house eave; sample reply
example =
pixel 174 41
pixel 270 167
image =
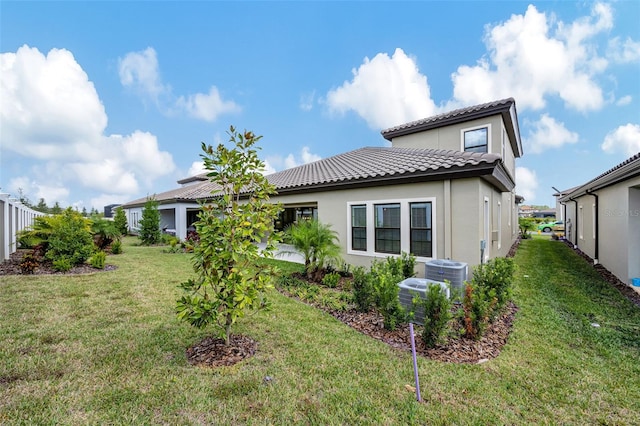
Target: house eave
pixel 618 174
pixel 493 173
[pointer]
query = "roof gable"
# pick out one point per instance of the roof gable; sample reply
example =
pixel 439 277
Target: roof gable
pixel 505 107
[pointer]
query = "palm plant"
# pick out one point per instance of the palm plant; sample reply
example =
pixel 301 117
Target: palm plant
pixel 317 243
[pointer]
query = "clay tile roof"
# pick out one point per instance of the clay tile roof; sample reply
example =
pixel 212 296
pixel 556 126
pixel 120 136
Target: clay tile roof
pixel 376 162
pixel 361 165
pixel 450 117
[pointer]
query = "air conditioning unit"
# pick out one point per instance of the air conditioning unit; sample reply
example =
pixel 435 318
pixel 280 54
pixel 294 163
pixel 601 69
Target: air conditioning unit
pixel 411 287
pixel 441 269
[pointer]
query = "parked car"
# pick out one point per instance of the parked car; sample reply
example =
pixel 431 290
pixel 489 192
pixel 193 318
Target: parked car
pixel 557 225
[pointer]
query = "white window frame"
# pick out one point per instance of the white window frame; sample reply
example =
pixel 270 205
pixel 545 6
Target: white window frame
pixel 405 227
pixel 469 129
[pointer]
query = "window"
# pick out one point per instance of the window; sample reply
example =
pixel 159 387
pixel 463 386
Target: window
pixel 420 233
pixel 387 220
pixel 476 140
pixel 399 225
pixel 359 227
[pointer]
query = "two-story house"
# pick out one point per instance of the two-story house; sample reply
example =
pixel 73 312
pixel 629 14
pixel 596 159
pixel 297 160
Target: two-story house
pixel 443 189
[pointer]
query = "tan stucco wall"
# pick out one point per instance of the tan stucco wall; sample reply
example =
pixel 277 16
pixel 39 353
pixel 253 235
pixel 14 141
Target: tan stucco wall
pixel 450 138
pixel 619 228
pixel 464 216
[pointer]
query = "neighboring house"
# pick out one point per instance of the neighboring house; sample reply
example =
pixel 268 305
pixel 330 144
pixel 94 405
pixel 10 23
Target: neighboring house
pixel 603 219
pixel 443 189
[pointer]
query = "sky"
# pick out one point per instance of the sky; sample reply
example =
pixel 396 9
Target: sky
pixel 106 102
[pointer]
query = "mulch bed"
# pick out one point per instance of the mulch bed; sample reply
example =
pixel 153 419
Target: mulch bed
pixel 12 266
pixel 213 352
pixel 608 276
pixel 460 350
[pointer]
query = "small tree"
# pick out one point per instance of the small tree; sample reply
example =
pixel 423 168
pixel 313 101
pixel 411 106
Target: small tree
pixel 526 225
pixel 229 281
pixel 120 220
pixel 150 223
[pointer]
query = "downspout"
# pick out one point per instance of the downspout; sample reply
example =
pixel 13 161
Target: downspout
pixel 575 233
pixel 597 215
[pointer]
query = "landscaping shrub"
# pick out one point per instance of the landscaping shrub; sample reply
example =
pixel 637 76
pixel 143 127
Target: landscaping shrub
pixel 62 264
pixel 363 292
pixel 477 305
pixel 437 314
pixel 98 259
pixel 116 247
pixel 408 262
pixel 385 277
pixel 29 263
pixel 526 225
pixel 496 275
pixel 150 223
pixel 331 280
pixel 70 238
pixel 104 232
pixel 120 221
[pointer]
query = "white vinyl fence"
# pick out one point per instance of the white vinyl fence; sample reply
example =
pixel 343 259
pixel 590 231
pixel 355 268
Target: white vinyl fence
pixel 14 217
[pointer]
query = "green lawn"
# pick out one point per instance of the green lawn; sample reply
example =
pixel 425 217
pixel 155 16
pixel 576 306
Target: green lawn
pixel 107 348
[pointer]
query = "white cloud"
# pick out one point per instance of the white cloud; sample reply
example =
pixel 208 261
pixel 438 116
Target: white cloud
pixel 51 113
pixel 277 162
pixel 50 102
pixel 268 168
pixel 307 100
pixel 548 133
pixel 139 70
pixel 624 52
pixel 625 100
pixel 526 183
pixel 196 168
pixel 385 91
pixel 206 107
pixel 529 62
pixel 34 190
pixel 625 139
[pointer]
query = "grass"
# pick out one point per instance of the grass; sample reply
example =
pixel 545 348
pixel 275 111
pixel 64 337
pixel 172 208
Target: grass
pixel 106 348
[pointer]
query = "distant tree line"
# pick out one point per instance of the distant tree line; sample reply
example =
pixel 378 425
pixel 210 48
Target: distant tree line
pixel 55 209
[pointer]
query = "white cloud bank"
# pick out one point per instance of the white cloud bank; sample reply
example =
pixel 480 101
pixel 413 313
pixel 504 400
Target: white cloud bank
pixel 50 112
pixel 533 56
pixel 527 183
pixel 624 139
pixel 274 163
pixel 547 133
pixel 385 91
pixel 140 71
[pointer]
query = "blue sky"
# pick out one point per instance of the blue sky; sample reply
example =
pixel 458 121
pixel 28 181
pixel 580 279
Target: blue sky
pixel 105 102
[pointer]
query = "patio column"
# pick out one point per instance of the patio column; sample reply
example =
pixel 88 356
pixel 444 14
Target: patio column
pixel 181 221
